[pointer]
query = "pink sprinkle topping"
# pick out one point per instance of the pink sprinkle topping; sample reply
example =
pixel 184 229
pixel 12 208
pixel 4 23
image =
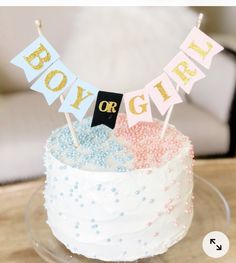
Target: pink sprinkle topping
pixel 143 140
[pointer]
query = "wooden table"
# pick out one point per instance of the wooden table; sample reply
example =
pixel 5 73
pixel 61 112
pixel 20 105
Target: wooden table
pixel 14 244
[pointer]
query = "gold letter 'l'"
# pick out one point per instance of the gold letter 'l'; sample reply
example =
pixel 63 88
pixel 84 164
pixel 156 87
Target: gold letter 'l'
pixel 203 53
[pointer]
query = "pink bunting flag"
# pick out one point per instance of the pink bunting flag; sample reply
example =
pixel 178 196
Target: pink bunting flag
pixel 163 93
pixel 183 71
pixel 200 47
pixel 137 107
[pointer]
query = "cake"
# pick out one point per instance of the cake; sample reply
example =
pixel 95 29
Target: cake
pixel 124 194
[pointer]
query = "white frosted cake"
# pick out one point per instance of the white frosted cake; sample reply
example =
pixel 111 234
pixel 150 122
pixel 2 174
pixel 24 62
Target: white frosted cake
pixel 124 194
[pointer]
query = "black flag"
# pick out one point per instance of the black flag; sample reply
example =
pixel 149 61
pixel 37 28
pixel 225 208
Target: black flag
pixel 106 108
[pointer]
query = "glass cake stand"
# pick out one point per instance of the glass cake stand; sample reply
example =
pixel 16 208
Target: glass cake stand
pixel 211 212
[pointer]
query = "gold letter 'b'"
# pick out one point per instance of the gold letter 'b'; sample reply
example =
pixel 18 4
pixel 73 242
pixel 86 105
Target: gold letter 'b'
pixel 184 72
pixel 35 56
pixel 142 106
pixel 51 75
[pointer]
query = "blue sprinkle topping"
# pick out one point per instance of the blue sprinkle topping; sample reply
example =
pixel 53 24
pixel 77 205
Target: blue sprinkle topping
pixel 121 169
pixel 98 148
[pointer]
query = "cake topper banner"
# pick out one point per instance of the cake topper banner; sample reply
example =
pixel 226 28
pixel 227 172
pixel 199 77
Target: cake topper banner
pixel 36 58
pixel 40 57
pixel 163 93
pixel 184 72
pixel 54 81
pixel 79 99
pixel 200 47
pixel 106 108
pixel 137 106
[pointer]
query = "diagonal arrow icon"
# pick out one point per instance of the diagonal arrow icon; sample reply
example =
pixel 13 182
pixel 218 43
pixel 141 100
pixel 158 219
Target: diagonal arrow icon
pixel 219 247
pixel 212 241
pixel 215 244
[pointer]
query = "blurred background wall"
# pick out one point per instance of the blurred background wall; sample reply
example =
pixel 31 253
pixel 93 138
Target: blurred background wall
pixel 220 20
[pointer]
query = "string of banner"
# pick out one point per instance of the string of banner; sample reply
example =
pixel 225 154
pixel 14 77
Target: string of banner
pixel 41 60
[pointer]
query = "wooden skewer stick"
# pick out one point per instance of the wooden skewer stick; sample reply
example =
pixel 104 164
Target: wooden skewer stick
pixel 168 115
pixel 38 24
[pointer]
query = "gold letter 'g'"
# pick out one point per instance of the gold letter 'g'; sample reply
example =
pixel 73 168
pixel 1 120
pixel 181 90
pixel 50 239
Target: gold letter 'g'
pixel 142 106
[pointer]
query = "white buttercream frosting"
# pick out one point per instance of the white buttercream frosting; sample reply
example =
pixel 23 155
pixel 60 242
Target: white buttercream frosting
pixel 119 216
